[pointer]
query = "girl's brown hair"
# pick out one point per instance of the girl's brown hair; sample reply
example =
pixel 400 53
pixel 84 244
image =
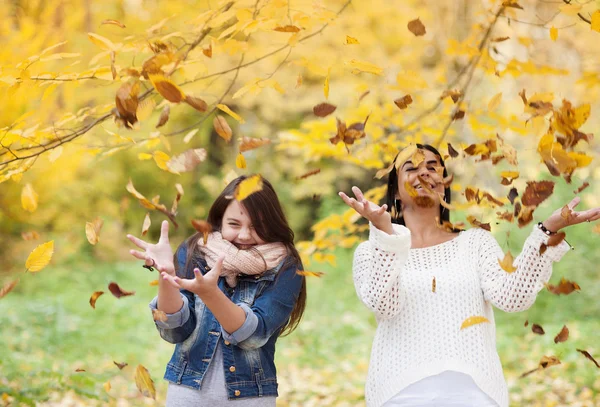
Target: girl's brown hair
pixel 270 224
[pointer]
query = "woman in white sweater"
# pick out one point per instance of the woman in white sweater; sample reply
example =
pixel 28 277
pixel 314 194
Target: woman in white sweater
pixel 422 282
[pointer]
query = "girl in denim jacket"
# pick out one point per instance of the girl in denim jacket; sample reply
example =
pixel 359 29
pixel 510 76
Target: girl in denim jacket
pixel 227 300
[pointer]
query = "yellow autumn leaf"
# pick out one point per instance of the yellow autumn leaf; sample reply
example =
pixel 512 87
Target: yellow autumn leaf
pixel 40 257
pixel 146 224
pixel 510 174
pixel 161 158
pixel 474 320
pixel 144 156
pixel 553 33
pixel 144 382
pixel 240 161
pixel 507 263
pixel 362 66
pixel 494 102
pixel 106 386
pixel 326 84
pixel 405 155
pixel 231 113
pixel 580 115
pixel 248 186
pixel 29 198
pixel 351 40
pixel 92 230
pixel 595 21
pixel 101 42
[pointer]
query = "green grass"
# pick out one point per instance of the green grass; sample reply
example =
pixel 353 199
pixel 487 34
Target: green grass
pixel 48 330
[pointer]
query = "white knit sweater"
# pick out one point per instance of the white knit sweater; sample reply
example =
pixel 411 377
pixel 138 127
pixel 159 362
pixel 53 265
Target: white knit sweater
pixel 418 332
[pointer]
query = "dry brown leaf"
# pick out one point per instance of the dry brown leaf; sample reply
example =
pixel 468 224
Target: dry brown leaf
pixel 564 287
pixel 526 323
pixel 120 365
pixel 167 88
pixel 144 382
pixel 159 315
pixel 164 116
pixel 146 224
pixel 512 194
pixel 563 335
pixel 459 114
pixel 118 291
pixel 324 109
pixel 207 51
pixel 307 273
pixel 455 94
pixel 451 151
pixel 536 192
pixel 424 201
pixel 126 100
pixel 249 143
pixel 588 356
pixel 203 227
pixel 404 101
pixel 222 128
pixel 308 174
pixel 8 287
pixel 416 27
pixel 525 215
pixel 187 160
pixel 113 22
pixel 474 222
pixel 433 285
pixel 94 297
pixel 179 189
pixel 197 103
pixel 537 329
pixel 287 29
pixel 582 187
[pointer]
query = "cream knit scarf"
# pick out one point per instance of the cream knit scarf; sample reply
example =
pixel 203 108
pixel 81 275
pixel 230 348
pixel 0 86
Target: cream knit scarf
pixel 254 261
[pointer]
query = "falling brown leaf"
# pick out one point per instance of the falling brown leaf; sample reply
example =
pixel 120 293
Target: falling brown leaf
pixel 416 27
pixel 118 291
pixel 179 189
pixel 424 201
pixel 537 329
pixel 582 187
pixel 308 174
pixel 474 320
pixel 144 382
pixel 126 100
pixel 307 273
pixel 590 357
pixel 197 103
pixel 120 365
pixel 94 297
pixel 249 143
pixel 512 194
pixel 113 69
pixel 499 39
pixel 207 51
pixel 222 128
pixel 33 235
pixel 526 323
pixel 187 160
pixel 164 116
pixel 404 101
pixel 474 222
pixel 364 94
pixel 159 315
pixel 563 335
pixel 324 109
pixel 545 362
pixel 451 151
pixel 167 88
pixel 146 224
pixel 506 215
pixel 113 22
pixel 8 287
pixel 507 263
pixel 433 285
pixel 203 227
pixel 536 192
pixel 525 215
pixel 564 287
pixel 458 115
pixel 79 370
pixel 455 94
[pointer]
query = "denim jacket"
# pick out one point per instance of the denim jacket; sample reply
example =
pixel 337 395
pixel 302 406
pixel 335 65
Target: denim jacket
pixel 249 352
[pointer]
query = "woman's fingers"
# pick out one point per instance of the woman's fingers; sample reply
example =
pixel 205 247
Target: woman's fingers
pixel 358 194
pixel 138 242
pixel 351 202
pixel 138 255
pixel 574 202
pixel 164 232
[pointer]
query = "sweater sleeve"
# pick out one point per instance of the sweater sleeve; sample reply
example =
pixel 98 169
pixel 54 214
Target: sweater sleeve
pixel 516 291
pixel 376 270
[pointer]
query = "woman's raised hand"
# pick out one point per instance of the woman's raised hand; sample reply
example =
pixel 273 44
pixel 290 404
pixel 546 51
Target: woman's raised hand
pixel 159 255
pixel 564 217
pixel 374 213
pixel 201 285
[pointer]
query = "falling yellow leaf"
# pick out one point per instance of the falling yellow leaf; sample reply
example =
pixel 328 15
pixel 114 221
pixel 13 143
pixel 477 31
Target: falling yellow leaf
pixel 507 263
pixel 101 42
pixel 94 297
pixel 144 382
pixel 417 158
pixel 326 84
pixel 362 66
pixel 146 225
pixel 473 321
pixel 113 22
pixel 161 159
pixel 405 155
pixel 231 113
pixel 595 21
pixel 106 386
pixel 29 198
pixel 40 257
pixel 92 230
pixel 240 161
pixel 494 102
pixel 307 273
pixel 153 283
pixel 351 40
pixel 553 33
pixel 144 156
pixel 248 186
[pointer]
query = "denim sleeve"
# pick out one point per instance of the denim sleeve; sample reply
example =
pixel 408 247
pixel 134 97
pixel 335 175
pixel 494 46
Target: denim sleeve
pixel 246 330
pixel 272 309
pixel 180 325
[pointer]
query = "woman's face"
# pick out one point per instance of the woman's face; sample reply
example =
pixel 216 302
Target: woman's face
pixel 430 171
pixel 237 227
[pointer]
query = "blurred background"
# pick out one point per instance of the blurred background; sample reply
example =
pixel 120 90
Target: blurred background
pixel 517 79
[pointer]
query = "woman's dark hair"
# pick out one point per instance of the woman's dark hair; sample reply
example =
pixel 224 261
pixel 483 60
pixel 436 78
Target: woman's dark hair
pixel 392 190
pixel 271 225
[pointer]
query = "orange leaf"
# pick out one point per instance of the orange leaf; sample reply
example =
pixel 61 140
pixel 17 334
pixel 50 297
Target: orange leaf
pixel 118 291
pixel 248 143
pixel 324 109
pixel 307 273
pixel 197 103
pixel 168 89
pixel 507 263
pixel 164 116
pixel 563 335
pixel 564 287
pixel 222 128
pixel 536 192
pixel 203 227
pixel 94 297
pixel 404 101
pixel 474 320
pixel 537 329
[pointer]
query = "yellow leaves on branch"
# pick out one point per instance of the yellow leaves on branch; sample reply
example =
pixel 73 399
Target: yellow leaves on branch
pixel 29 198
pixel 40 257
pixel 144 382
pixel 474 320
pixel 248 186
pixel 92 230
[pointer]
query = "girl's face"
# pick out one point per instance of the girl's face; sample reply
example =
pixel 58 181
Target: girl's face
pixel 237 227
pixel 430 170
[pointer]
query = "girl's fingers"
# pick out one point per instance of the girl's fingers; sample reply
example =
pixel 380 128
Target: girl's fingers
pixel 198 274
pixel 171 280
pixel 358 193
pixel 164 232
pixel 138 242
pixel 574 202
pixel 138 255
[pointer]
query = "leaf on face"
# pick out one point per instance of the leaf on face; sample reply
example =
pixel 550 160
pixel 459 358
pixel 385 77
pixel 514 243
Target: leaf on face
pixel 94 297
pixel 40 257
pixel 154 64
pixel 324 109
pixel 92 230
pixel 403 102
pixel 507 263
pixel 167 88
pixel 307 273
pixel 118 291
pixel 424 201
pixel 113 22
pixel 411 190
pixel 417 158
pixel 248 186
pixel 146 224
pixel 197 103
pixel 537 329
pixel 563 335
pixel 164 116
pixel 416 27
pixel 240 161
pixel 222 128
pixel 536 192
pixel 474 222
pixel 144 382
pixel 405 155
pixel 474 320
pixel 249 143
pixel 564 287
pixel 351 40
pixel 159 315
pixel 29 198
pixel 7 287
pixel 585 352
pixel 203 227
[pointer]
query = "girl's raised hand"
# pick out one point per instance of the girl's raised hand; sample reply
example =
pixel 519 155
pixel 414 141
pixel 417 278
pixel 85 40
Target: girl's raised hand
pixel 374 213
pixel 159 255
pixel 201 285
pixel 559 218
